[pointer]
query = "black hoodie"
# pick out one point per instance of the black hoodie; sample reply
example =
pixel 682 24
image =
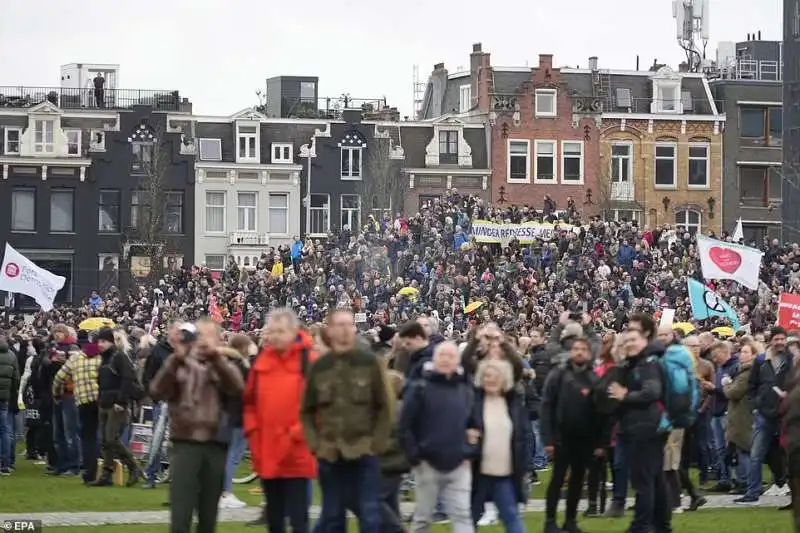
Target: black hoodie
pixel 155 360
pixel 640 412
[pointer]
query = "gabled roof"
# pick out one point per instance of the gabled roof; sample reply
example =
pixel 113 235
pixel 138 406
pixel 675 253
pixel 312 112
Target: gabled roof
pixel 248 114
pixel 45 108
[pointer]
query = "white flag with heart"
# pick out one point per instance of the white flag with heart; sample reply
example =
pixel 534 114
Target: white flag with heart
pixel 724 260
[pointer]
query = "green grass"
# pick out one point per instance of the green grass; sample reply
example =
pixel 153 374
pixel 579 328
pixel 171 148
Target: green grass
pixel 727 521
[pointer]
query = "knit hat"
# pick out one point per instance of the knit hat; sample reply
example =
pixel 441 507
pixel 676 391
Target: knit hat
pixel 104 334
pixel 385 334
pixel 571 330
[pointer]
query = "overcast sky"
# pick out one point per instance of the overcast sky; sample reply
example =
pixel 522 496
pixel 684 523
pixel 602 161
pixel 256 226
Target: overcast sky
pixel 218 52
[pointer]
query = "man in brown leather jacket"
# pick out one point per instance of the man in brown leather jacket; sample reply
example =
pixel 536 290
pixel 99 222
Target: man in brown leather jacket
pixel 198 383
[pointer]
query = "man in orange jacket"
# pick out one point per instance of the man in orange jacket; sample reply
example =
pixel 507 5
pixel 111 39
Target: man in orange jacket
pixel 272 404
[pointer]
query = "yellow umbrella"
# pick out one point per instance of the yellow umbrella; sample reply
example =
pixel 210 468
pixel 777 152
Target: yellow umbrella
pixel 411 292
pixel 95 323
pixel 685 327
pixel 724 331
pixel 471 308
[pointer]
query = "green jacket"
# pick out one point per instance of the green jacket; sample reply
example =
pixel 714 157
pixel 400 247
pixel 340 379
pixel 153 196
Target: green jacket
pixel 393 460
pixel 347 406
pixel 9 375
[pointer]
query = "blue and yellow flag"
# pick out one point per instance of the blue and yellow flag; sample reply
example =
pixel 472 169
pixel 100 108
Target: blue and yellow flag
pixel 707 303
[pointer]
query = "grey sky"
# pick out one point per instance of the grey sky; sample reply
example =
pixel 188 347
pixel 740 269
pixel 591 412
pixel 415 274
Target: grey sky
pixel 218 52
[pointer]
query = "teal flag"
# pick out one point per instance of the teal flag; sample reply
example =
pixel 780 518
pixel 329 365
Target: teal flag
pixel 707 303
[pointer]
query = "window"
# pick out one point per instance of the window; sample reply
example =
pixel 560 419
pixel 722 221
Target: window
pixel 173 213
pixel 73 142
pixel 215 212
pixel 572 162
pixel 23 209
pixel 142 157
pixel 62 210
pixel 43 136
pixel 688 221
pixel 621 163
pixel 13 136
pixel 248 143
pixel 759 186
pixel 351 212
pixel 796 20
pixel 320 214
pixel 546 102
pixel 464 98
pixel 619 215
pixel 308 91
pixel 246 211
pixel 109 211
pixel 762 123
pixel 140 210
pixel 282 153
pixel 545 161
pixel 519 168
pixel 351 163
pixel 668 98
pixel 775 129
pixel 278 213
pixel 699 166
pixel 666 167
pixel 210 149
pixel 448 147
pixel 215 262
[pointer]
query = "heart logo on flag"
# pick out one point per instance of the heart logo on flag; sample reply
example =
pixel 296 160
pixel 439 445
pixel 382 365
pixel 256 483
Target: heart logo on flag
pixel 727 260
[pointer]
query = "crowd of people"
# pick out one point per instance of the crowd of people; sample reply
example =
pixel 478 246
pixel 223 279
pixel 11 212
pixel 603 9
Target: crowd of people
pixel 410 348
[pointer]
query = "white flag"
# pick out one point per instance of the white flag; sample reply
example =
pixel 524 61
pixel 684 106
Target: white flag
pixel 722 260
pixel 20 274
pixel 738 233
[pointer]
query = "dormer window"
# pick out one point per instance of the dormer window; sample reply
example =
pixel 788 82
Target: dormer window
pixel 43 142
pixel 352 147
pixel 666 92
pixel 247 143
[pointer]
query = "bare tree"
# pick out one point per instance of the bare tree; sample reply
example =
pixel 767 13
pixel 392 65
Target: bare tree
pixel 601 197
pixel 382 185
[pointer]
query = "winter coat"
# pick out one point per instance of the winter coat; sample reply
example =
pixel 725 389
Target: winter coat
pixel 272 403
pixel 739 420
pixel 9 376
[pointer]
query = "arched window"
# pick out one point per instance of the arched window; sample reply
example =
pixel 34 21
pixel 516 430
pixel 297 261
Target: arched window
pixel 689 220
pixel 142 142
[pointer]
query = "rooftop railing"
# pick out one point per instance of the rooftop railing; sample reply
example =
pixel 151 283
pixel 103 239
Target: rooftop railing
pixel 748 69
pixel 21 97
pixel 333 108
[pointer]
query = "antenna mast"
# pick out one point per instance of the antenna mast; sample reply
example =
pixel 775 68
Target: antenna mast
pixel 692 25
pixel 419 94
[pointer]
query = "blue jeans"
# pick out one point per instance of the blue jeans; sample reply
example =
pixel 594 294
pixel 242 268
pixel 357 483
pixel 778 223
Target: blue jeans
pixel 501 491
pixel 13 437
pixel 235 452
pixel 764 434
pixel 540 459
pixel 718 427
pixel 743 468
pixel 620 473
pixel 159 427
pixel 354 485
pixel 66 435
pixel 6 437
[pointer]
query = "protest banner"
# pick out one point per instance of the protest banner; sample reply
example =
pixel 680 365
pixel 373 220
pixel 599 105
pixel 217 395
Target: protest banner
pixel 525 233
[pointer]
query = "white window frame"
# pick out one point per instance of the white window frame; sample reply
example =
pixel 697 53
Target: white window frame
pixel 686 226
pixel 326 208
pixel 7 142
pixel 677 102
pixel 67 133
pixel 349 150
pixel 285 209
pixel 250 212
pixel 550 93
pixel 218 142
pixel 527 178
pixel 45 147
pixel 356 210
pixel 619 161
pixel 281 149
pixel 223 206
pixel 564 157
pixel 464 98
pixel 674 158
pixel 224 262
pixel 254 157
pixel 707 147
pixel 536 144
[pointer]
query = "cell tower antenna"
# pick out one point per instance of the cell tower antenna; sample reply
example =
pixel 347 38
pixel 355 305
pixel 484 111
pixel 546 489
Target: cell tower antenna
pixel 692 25
pixel 419 94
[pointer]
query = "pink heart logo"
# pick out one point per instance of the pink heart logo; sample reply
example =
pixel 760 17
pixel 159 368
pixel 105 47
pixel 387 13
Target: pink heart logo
pixel 727 260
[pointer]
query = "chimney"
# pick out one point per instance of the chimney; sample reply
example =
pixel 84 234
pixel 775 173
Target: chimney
pixel 476 48
pixel 748 37
pixel 637 62
pixel 438 81
pixel 759 35
pixel 438 66
pixel 593 63
pixel 480 65
pixel 683 67
pixel 546 61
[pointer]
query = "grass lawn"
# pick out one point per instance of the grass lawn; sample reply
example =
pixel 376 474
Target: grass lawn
pixel 727 521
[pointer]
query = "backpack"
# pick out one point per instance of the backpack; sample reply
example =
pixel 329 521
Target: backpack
pixel 681 394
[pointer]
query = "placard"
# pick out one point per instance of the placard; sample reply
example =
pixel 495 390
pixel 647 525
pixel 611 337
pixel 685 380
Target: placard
pixel 789 311
pixel 667 318
pixel 361 318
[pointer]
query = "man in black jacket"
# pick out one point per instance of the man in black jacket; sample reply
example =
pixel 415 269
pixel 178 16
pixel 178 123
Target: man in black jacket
pixel 116 378
pixel 639 392
pixel 540 362
pixel 572 430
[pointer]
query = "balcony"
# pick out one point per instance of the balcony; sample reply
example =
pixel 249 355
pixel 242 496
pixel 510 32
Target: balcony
pixel 69 98
pixel 248 238
pixel 622 191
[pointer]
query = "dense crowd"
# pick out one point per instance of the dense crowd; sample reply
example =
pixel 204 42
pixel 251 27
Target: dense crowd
pixel 495 361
